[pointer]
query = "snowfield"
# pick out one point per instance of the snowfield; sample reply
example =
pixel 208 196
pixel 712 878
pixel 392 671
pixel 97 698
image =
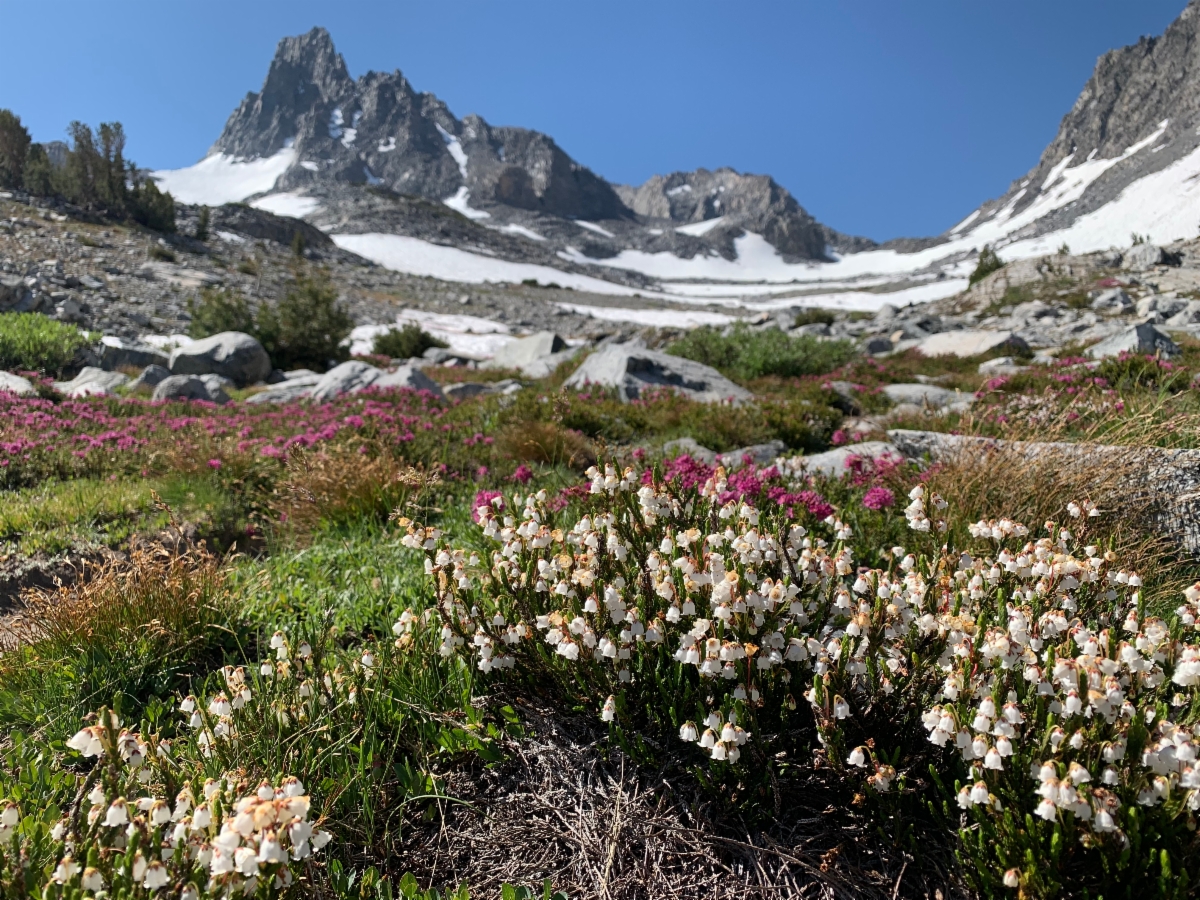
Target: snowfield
pixel 219 178
pixel 288 203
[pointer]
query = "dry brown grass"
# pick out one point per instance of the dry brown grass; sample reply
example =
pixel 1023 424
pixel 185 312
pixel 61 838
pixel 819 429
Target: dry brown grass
pixel 1144 518
pixel 546 442
pixel 162 601
pixel 337 484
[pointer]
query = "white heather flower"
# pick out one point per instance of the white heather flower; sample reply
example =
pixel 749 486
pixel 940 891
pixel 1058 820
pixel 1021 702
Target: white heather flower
pixel 92 880
pixel 1012 878
pixel 688 732
pixel 66 870
pixel 610 709
pixel 10 817
pixel 857 757
pixel 992 760
pixel 156 876
pixel 117 814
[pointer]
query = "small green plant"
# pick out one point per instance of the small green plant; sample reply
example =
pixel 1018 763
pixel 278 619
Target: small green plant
pixel 30 342
pixel 161 253
pixel 813 316
pixel 989 262
pixel 217 311
pixel 298 244
pixel 743 353
pixel 1137 239
pixel 307 328
pixel 405 343
pixel 248 267
pixel 1064 250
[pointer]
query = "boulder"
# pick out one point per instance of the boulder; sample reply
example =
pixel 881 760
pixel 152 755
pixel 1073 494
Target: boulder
pixel 217 386
pixel 15 384
pixel 354 376
pixel 287 391
pixel 689 447
pixel 409 377
pixel 237 356
pixel 1113 300
pixel 465 389
pixel 1138 339
pixel 1164 306
pixel 116 353
pixel 150 377
pixel 91 382
pixel 924 395
pixel 758 454
pixel 1187 313
pixel 635 370
pixel 1145 256
pixel 970 343
pixel 14 294
pixel 186 387
pixel 1001 365
pixel 535 356
pixel 877 345
pixel 833 463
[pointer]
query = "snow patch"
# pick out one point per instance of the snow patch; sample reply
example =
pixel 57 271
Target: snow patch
pixel 166 342
pixel 454 147
pixel 288 203
pixel 221 178
pixel 387 146
pixel 371 177
pixel 230 238
pixel 310 165
pixel 417 257
pixel 522 231
pixel 659 318
pixel 459 202
pixel 681 189
pixel 699 229
pixel 592 226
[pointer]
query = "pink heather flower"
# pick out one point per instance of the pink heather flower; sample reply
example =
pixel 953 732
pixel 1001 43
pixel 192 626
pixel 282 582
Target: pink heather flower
pixel 639 453
pixel 481 473
pixel 523 474
pixel 839 437
pixel 214 464
pixel 878 498
pixel 485 498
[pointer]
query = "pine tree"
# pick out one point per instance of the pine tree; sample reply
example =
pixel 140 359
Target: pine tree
pixel 14 148
pixel 989 262
pixel 298 244
pixel 202 225
pixel 39 174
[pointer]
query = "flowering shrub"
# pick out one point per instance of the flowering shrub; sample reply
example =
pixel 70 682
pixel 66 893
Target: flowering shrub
pixel 1022 677
pixel 215 837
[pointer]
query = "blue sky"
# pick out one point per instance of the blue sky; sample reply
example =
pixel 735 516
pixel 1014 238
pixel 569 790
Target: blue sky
pixel 883 118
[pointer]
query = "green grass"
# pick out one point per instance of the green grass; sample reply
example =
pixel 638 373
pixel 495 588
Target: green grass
pixel 746 354
pixel 30 342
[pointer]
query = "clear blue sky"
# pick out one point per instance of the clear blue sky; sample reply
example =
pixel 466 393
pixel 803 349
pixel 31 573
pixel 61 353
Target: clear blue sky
pixel 883 117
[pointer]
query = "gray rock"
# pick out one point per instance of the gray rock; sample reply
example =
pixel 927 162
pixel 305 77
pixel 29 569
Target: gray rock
pixel 1113 300
pixel 1145 256
pixel 293 374
pixel 183 387
pixel 15 295
pixel 217 386
pixel 689 447
pixel 1187 313
pixel 237 356
pixel 1001 365
pixel 1140 339
pixel 275 377
pixel 287 391
pixel 15 384
pixel 116 353
pixel 922 395
pixel 970 343
pixel 535 356
pixel 150 377
pixel 91 382
pixel 633 371
pixel 759 454
pixel 409 377
pixel 877 345
pixel 1164 306
pixel 354 376
pixel 832 463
